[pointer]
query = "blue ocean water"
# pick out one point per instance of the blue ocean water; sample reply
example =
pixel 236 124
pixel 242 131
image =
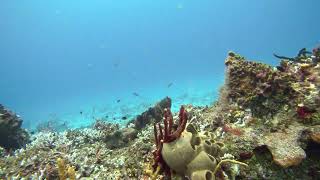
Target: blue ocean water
pixel 71 61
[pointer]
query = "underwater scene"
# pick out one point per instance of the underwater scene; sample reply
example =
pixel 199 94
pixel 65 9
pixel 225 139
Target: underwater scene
pixel 159 90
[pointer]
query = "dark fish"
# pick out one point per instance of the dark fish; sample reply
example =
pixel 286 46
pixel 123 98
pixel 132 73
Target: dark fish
pixel 118 100
pixel 135 94
pixel 106 116
pixel 81 112
pixel 124 118
pixel 169 85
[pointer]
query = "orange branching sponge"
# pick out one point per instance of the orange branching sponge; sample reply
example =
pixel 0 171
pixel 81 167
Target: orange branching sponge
pixel 71 173
pixel 65 171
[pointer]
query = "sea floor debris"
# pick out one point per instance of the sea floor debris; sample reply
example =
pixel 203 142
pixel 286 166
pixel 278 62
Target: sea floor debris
pixel 265 125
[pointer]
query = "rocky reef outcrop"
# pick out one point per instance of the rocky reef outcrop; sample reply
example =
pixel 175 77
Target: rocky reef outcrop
pixel 266 117
pixel 12 136
pixel 257 86
pixel 153 114
pixel 271 108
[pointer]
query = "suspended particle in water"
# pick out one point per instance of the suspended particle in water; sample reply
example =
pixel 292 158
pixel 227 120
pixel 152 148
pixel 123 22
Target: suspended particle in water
pixel 57 12
pixel 180 6
pixel 89 66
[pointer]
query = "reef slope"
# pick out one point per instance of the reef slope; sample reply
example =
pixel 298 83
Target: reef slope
pixel 267 119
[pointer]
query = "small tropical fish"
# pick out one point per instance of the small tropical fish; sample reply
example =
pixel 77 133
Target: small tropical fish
pixel 124 118
pixel 115 65
pixel 135 94
pixel 81 112
pixel 118 100
pixel 170 84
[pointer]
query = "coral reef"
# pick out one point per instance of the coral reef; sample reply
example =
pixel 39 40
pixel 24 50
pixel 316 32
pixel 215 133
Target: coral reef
pixel 12 136
pixel 259 87
pixel 274 108
pixel 52 125
pixel 187 152
pixel 265 125
pixel 120 138
pixel 113 136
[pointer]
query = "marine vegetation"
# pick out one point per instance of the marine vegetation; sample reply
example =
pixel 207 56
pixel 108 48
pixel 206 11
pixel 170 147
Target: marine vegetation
pixel 265 125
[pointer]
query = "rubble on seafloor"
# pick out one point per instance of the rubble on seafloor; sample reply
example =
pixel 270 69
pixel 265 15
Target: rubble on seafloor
pixel 265 125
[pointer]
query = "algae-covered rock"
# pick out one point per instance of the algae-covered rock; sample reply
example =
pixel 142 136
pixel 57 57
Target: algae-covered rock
pixel 12 136
pixel 285 147
pixel 153 114
pixel 120 138
pixel 128 134
pixel 315 133
pixel 257 86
